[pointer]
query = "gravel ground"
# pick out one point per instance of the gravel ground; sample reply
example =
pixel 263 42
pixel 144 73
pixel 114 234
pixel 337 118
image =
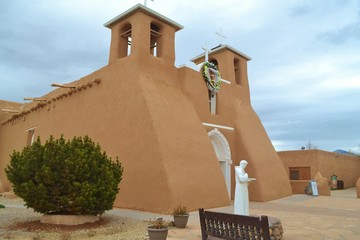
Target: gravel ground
pixel 21 223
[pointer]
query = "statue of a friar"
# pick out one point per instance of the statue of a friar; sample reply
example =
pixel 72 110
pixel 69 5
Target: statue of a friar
pixel 241 200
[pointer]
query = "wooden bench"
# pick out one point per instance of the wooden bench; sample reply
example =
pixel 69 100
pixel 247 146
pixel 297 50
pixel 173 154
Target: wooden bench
pixel 231 226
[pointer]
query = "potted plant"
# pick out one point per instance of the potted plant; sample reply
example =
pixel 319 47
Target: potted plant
pixel 158 229
pixel 181 216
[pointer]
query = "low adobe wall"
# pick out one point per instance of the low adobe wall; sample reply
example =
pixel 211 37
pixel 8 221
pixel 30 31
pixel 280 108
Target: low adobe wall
pixel 346 168
pixel 298 186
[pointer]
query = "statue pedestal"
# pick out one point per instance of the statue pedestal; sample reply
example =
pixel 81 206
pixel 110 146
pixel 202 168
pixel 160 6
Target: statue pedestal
pixel 276 229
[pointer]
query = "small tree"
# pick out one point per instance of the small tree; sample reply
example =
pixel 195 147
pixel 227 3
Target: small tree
pixel 311 145
pixel 65 177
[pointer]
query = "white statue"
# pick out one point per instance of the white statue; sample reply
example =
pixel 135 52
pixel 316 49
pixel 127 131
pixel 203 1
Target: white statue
pixel 241 201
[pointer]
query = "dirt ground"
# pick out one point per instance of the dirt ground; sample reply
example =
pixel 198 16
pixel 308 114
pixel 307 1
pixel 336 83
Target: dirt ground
pixel 20 223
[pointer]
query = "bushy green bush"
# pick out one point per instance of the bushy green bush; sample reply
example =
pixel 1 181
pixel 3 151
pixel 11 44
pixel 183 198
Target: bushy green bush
pixel 65 176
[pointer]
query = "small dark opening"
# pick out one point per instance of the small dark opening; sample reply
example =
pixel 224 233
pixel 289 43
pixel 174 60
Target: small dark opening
pixel 154 39
pixel 125 48
pixel 237 71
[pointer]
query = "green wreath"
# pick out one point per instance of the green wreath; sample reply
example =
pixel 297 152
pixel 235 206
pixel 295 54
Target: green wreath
pixel 211 75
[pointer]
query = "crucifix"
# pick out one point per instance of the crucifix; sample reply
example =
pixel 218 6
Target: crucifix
pixel 212 101
pixel 213 76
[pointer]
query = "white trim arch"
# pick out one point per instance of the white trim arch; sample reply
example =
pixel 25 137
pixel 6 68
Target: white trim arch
pixel 223 153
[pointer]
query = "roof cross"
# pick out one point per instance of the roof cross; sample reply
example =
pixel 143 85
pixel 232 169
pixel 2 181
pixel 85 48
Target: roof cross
pixel 145 2
pixel 220 34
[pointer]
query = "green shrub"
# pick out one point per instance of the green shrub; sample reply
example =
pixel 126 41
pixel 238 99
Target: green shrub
pixel 2 206
pixel 65 177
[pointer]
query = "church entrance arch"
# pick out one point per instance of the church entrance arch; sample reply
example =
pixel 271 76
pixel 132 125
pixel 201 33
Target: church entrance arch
pixel 223 153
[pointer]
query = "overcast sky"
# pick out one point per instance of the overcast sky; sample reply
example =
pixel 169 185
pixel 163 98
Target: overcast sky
pixel 304 74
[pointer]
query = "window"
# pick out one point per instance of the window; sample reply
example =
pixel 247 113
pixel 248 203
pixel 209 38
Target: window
pixel 215 62
pixel 237 71
pixel 294 174
pixel 30 136
pixel 154 40
pixel 299 173
pixel 125 45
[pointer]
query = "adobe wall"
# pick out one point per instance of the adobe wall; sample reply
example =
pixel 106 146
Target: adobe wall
pixel 254 145
pixel 346 168
pixel 298 186
pixel 7 105
pixel 249 139
pixel 303 158
pixel 138 114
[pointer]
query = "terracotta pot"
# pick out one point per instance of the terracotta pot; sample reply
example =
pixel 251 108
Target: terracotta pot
pixel 181 220
pixel 157 234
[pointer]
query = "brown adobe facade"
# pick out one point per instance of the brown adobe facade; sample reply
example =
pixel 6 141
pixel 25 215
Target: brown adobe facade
pixel 304 165
pixel 157 119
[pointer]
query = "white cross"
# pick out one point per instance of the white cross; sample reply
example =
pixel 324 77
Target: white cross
pixel 145 2
pixel 206 53
pixel 207 59
pixel 221 34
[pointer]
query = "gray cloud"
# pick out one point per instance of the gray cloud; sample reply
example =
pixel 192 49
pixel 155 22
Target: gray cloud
pixel 300 10
pixel 340 36
pixel 39 47
pixel 302 87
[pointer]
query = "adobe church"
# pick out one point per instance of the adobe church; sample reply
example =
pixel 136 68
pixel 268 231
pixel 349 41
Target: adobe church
pixel 177 138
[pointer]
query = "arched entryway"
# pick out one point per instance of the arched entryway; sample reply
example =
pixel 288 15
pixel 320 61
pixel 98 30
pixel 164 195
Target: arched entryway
pixel 223 153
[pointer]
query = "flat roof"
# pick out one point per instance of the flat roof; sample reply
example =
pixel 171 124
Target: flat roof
pixel 148 11
pixel 219 48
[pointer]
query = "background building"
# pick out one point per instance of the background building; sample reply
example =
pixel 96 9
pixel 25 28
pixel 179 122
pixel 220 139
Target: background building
pixel 302 166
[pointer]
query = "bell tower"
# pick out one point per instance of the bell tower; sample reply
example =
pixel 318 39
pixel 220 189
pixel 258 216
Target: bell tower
pixel 233 67
pixel 142 33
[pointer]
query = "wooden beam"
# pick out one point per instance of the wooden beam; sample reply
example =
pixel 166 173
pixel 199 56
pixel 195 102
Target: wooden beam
pixel 35 99
pixel 9 110
pixel 155 33
pixel 126 33
pixel 62 86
